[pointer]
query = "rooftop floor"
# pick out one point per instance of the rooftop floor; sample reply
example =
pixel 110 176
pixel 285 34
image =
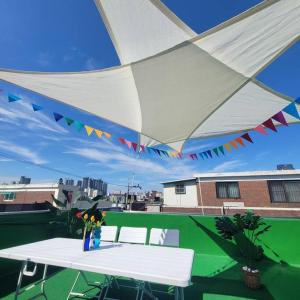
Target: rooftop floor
pixel 214 277
pixel 216 270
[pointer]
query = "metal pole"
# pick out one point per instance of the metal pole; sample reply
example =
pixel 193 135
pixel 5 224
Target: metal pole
pixel 201 200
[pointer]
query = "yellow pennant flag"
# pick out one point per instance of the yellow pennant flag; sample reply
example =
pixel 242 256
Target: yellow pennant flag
pixel 227 146
pixel 88 129
pixel 108 135
pixel 99 133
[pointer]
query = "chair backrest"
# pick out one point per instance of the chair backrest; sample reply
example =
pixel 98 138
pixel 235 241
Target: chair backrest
pixel 109 233
pixel 164 237
pixel 133 235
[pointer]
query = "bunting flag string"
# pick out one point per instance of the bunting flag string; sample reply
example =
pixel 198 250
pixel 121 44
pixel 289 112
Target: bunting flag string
pixel 216 152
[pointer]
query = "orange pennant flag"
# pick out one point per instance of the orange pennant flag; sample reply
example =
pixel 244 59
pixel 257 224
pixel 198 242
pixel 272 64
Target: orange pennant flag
pixel 99 133
pixel 240 141
pixel 108 135
pixel 228 148
pixel 88 129
pixel 233 144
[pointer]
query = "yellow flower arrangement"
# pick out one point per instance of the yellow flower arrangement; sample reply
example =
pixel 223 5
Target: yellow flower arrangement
pixel 86 216
pixel 92 218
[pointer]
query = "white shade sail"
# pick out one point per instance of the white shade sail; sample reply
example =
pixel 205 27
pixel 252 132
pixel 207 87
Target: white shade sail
pixel 177 86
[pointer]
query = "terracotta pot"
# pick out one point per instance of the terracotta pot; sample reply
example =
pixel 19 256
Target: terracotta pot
pixel 252 279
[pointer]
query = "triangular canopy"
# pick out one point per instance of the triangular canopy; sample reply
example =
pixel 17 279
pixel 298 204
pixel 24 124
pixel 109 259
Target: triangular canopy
pixel 174 85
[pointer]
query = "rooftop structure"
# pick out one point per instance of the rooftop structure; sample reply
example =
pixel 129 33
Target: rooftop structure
pixel 271 193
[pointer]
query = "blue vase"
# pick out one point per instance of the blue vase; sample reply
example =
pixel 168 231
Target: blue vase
pixel 97 238
pixel 87 240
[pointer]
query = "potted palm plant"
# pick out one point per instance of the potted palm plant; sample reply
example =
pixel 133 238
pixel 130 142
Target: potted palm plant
pixel 245 231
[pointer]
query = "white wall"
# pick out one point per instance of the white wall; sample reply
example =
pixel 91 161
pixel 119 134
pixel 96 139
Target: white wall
pixel 189 199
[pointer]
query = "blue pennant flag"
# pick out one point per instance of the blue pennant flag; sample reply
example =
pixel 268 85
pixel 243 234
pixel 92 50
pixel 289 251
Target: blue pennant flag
pixel 291 109
pixel 298 100
pixel 13 98
pixel 209 153
pixel 57 116
pixel 36 107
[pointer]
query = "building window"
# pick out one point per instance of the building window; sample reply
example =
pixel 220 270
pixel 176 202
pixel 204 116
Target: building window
pixel 284 191
pixel 8 196
pixel 228 190
pixel 180 189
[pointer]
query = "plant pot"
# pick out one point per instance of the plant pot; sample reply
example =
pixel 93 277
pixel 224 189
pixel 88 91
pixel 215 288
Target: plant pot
pixel 251 278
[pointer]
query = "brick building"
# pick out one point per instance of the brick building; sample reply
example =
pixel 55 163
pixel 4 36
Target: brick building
pixel 33 193
pixel 268 193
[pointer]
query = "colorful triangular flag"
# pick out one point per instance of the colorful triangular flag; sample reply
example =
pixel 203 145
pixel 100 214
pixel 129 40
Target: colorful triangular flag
pixel 69 121
pixel 165 153
pixel 247 137
pixel 209 153
pixel 227 147
pixel 128 143
pixel 233 144
pixel 279 117
pixel 88 129
pixel 205 154
pixel 292 110
pixel 142 148
pixel 78 125
pixel 261 129
pixel 107 135
pixel 13 98
pixel 122 140
pixel 216 151
pixel 157 151
pixel 134 146
pixel 201 154
pixel 36 107
pixel 240 141
pixel 98 132
pixel 297 100
pixel 57 116
pixel 221 149
pixel 269 124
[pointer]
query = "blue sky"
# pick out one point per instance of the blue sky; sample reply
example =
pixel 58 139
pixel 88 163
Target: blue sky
pixel 68 35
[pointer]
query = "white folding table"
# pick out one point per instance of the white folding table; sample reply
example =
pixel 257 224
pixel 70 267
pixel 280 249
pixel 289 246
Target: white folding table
pixel 144 263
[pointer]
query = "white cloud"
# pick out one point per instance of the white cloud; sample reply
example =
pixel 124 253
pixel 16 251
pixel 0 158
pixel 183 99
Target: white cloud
pixel 90 64
pixel 229 165
pixel 21 114
pixel 44 59
pixel 22 152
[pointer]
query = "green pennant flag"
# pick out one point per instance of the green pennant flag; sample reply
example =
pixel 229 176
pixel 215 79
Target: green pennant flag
pixel 216 151
pixel 69 121
pixel 221 149
pixel 78 125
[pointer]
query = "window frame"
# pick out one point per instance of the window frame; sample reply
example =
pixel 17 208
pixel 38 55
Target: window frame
pixel 282 182
pixel 227 186
pixel 8 196
pixel 182 188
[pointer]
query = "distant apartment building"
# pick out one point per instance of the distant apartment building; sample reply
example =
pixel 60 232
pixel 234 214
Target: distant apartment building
pixel 87 184
pixel 24 180
pixel 69 182
pixel 33 193
pixel 268 193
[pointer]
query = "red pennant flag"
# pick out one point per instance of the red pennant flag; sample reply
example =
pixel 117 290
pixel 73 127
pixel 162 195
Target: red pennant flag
pixel 134 146
pixel 233 144
pixel 279 117
pixel 240 141
pixel 247 137
pixel 261 129
pixel 122 140
pixel 269 124
pixel 142 148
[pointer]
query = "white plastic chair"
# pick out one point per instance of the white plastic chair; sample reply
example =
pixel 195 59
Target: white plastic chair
pixel 109 233
pixel 164 237
pixel 133 235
